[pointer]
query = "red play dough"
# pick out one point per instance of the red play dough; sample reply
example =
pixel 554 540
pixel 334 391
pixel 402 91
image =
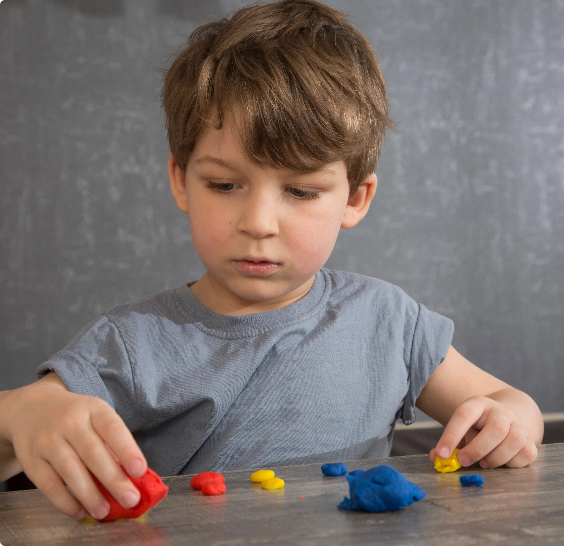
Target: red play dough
pixel 152 490
pixel 213 488
pixel 200 479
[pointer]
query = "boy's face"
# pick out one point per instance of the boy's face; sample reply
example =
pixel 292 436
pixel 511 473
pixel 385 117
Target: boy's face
pixel 262 233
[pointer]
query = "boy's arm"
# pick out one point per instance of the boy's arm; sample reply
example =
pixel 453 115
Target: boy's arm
pixel 57 436
pixel 492 422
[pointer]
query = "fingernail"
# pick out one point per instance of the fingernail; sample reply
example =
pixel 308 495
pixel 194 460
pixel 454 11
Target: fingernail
pixel 443 451
pixel 484 465
pixel 129 499
pixel 80 514
pixel 101 511
pixel 464 460
pixel 135 468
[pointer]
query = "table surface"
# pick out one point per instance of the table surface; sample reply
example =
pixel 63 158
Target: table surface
pixel 514 506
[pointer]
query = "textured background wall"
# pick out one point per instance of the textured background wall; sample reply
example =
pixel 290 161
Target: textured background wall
pixel 469 213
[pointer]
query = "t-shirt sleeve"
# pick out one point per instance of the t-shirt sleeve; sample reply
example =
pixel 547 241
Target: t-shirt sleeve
pixel 426 345
pixel 96 363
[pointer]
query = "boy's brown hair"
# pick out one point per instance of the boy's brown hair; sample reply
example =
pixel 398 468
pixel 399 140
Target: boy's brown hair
pixel 306 86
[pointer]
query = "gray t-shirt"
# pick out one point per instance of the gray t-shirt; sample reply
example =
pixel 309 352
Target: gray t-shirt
pixel 321 380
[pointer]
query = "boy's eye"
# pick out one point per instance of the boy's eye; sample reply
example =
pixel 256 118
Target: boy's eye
pixel 299 193
pixel 220 186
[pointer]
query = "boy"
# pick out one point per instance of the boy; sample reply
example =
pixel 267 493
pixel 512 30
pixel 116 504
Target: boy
pixel 275 120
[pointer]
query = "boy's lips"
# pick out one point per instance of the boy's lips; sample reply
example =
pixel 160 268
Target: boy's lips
pixel 256 266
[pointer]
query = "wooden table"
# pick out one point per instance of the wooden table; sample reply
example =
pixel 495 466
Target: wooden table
pixel 524 506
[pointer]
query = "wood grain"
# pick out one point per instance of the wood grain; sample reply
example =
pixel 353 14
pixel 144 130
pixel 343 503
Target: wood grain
pixel 523 506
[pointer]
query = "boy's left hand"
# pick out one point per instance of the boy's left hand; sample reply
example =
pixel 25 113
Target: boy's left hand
pixel 490 421
pixel 486 431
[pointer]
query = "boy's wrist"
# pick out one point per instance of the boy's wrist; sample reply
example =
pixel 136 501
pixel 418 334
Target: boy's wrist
pixel 14 402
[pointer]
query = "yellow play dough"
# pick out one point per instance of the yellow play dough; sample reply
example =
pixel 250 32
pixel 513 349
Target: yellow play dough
pixel 272 483
pixel 450 464
pixel 260 475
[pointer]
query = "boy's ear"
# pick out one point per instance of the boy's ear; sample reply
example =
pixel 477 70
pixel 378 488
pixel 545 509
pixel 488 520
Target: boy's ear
pixel 359 203
pixel 177 178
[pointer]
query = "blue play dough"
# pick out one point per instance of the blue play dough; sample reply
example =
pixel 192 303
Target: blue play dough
pixel 471 479
pixel 380 489
pixel 334 469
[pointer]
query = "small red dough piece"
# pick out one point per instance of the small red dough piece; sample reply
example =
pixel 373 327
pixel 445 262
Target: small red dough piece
pixel 203 477
pixel 214 488
pixel 152 490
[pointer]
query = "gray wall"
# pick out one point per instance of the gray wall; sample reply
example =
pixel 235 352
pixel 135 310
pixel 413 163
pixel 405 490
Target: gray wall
pixel 468 218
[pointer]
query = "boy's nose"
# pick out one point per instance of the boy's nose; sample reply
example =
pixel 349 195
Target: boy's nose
pixel 258 218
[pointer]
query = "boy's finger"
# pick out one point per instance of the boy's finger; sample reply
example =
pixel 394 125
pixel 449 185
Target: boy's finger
pixel 462 420
pixel 114 432
pixel 54 490
pixel 507 450
pixel 492 437
pixel 98 459
pixel 525 457
pixel 468 437
pixel 74 473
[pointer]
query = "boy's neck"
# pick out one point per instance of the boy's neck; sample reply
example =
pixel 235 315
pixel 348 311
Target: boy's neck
pixel 219 299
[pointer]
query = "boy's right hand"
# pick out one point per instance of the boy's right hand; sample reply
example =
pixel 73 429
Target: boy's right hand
pixel 59 436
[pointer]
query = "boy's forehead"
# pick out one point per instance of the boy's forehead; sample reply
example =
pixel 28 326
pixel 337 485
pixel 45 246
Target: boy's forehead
pixel 238 162
pixel 224 147
pixel 223 136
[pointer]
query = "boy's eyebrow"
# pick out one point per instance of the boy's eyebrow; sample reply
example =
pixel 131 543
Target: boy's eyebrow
pixel 216 160
pixel 223 163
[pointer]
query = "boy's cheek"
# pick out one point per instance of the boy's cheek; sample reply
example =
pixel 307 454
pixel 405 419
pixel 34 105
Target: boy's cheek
pixel 212 235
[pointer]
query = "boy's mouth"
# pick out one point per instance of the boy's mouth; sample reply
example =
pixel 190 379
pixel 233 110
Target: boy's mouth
pixel 256 267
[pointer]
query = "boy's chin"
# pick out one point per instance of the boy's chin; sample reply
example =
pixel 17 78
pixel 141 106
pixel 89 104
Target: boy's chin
pixel 263 294
pixel 265 291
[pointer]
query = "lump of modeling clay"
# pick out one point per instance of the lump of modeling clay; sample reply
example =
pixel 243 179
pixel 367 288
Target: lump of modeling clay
pixel 213 488
pixel 471 479
pixel 211 483
pixel 380 489
pixel 450 464
pixel 272 483
pixel 261 475
pixel 334 469
pixel 200 479
pixel 152 490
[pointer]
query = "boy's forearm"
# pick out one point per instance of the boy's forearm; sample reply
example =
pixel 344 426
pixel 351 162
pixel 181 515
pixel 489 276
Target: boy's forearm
pixel 525 408
pixel 9 465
